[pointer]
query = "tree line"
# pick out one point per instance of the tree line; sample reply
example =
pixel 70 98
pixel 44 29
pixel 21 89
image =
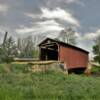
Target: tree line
pixel 22 48
pixel 27 47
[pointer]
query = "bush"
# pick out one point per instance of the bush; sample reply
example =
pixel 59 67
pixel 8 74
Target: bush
pixel 96 69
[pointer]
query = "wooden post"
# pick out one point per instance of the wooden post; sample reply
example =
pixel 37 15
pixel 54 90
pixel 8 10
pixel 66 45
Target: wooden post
pixel 40 53
pixel 58 52
pixel 65 69
pixel 88 69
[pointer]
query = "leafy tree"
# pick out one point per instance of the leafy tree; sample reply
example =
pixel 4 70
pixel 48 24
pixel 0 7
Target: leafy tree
pixel 68 36
pixel 8 49
pixel 96 50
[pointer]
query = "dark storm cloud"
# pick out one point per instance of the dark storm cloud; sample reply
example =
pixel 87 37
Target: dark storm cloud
pixel 16 9
pixel 39 16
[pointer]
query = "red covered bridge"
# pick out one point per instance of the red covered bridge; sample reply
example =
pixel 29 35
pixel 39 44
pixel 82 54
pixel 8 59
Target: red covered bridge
pixel 72 56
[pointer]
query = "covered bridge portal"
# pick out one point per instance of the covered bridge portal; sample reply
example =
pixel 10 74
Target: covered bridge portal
pixel 73 57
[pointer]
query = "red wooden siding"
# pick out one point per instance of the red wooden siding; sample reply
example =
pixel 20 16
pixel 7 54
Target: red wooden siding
pixel 72 57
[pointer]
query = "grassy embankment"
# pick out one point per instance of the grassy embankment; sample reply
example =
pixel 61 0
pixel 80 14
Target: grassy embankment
pixel 19 84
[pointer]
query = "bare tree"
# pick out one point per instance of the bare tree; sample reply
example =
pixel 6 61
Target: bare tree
pixel 25 47
pixel 68 36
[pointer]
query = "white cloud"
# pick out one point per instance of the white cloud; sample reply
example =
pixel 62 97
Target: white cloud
pixel 86 41
pixel 72 1
pixel 49 23
pixel 41 27
pixel 56 13
pixel 92 36
pixel 24 30
pixel 52 2
pixel 3 8
pixel 32 15
pixel 60 14
pixel 48 26
pixel 75 1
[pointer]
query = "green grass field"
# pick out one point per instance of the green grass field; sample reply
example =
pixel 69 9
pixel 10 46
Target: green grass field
pixel 19 84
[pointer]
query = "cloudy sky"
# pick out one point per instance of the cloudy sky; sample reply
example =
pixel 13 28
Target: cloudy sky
pixel 30 17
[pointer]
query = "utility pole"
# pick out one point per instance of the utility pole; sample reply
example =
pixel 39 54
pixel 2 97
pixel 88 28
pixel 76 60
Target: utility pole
pixel 5 37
